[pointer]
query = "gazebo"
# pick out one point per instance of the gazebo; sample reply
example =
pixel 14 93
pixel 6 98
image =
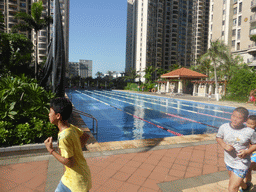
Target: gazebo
pixel 179 81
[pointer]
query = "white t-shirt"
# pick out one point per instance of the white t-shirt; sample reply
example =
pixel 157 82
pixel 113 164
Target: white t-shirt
pixel 240 140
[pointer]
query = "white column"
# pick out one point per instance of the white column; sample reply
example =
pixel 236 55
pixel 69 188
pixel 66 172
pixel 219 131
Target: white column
pixel 168 85
pixel 180 88
pixel 158 87
pixel 194 89
pixel 205 90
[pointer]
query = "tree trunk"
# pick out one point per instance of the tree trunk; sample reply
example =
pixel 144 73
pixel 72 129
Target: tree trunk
pixel 36 60
pixel 216 81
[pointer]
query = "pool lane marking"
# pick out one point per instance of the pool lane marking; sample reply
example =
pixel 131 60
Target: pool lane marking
pixel 161 112
pixel 175 103
pixel 168 130
pixel 175 108
pixel 172 115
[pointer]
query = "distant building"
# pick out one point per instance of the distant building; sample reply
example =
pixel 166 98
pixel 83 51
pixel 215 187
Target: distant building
pixel 115 74
pixel 83 68
pixel 234 22
pixel 159 34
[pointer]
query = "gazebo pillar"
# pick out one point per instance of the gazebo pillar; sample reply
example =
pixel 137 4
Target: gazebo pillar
pixel 194 89
pixel 158 88
pixel 168 85
pixel 210 91
pixel 205 89
pixel 180 87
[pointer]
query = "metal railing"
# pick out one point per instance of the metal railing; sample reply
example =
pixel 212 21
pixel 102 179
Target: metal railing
pixel 94 128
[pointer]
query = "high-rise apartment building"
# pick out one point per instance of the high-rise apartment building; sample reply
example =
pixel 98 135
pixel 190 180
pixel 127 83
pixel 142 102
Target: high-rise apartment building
pixel 83 68
pixel 200 28
pixel 11 7
pixel 159 34
pixel 232 22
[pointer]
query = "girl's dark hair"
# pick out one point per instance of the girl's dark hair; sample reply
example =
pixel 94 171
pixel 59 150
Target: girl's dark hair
pixel 243 111
pixel 63 106
pixel 252 117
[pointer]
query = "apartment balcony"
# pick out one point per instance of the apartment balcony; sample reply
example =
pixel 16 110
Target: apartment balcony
pixel 252 49
pixel 253 18
pixel 253 4
pixel 12 2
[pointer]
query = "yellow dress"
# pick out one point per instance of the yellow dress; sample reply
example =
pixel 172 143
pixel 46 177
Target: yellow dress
pixel 78 177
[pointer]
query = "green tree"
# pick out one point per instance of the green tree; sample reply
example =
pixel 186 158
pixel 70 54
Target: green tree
pixel 240 84
pixel 33 22
pixel 99 74
pixel 149 71
pixel 161 71
pixel 215 53
pixel 131 75
pixel 15 54
pixel 203 65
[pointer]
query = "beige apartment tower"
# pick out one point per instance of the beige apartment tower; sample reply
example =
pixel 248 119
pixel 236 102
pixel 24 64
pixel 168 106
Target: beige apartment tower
pixel 231 21
pixel 11 7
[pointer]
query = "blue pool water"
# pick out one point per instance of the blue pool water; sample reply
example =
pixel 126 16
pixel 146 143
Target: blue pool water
pixel 131 116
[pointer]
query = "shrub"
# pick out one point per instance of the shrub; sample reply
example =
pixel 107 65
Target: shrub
pixel 24 111
pixel 240 85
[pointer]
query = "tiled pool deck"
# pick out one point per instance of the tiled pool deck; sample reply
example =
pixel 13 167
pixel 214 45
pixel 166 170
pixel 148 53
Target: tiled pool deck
pixel 186 163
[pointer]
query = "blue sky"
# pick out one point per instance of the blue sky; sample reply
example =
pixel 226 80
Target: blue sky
pixel 98 33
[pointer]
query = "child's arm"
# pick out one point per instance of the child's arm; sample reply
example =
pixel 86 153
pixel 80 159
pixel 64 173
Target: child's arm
pixel 69 162
pixel 84 138
pixel 244 153
pixel 224 145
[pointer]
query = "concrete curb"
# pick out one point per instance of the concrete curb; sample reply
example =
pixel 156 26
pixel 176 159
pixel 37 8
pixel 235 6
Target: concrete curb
pixel 26 147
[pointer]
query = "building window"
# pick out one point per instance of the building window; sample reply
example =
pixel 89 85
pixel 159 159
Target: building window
pixel 233 32
pixel 238 33
pixel 238 46
pixel 222 33
pixel 223 22
pixel 235 11
pixel 224 1
pixel 212 17
pixel 240 7
pixel 233 43
pixel 211 27
pixel 235 1
pixel 224 12
pixel 239 20
pixel 212 7
pixel 234 22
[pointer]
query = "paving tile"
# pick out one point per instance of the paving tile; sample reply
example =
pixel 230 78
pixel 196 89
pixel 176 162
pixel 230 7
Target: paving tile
pixel 177 173
pixel 161 169
pixel 22 188
pixel 7 185
pixel 179 167
pixel 128 169
pixel 115 166
pixel 128 187
pixel 108 172
pixel 147 166
pixel 152 184
pixel 166 164
pixel 113 184
pixel 121 176
pixel 105 189
pixel 157 176
pixel 209 169
pixel 137 180
pixel 134 164
pixel 145 189
pixel 171 178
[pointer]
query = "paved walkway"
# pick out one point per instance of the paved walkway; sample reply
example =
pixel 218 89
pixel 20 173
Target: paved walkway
pixel 186 163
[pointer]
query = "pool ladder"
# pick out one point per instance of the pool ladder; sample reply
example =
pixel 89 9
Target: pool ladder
pixel 94 128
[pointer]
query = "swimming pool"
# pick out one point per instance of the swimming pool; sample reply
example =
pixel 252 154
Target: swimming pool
pixel 130 116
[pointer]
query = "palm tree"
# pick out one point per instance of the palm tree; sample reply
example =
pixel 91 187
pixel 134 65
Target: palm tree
pixel 131 75
pixel 216 52
pixel 33 22
pixel 149 71
pixel 99 74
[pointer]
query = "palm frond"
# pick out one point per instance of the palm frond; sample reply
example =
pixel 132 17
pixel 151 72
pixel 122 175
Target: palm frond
pixel 22 27
pixel 36 10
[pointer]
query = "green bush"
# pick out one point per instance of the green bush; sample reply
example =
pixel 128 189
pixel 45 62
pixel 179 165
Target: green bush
pixel 239 87
pixel 131 86
pixel 24 111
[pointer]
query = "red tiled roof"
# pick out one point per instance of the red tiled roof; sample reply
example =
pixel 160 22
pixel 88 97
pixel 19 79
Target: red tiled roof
pixel 183 72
